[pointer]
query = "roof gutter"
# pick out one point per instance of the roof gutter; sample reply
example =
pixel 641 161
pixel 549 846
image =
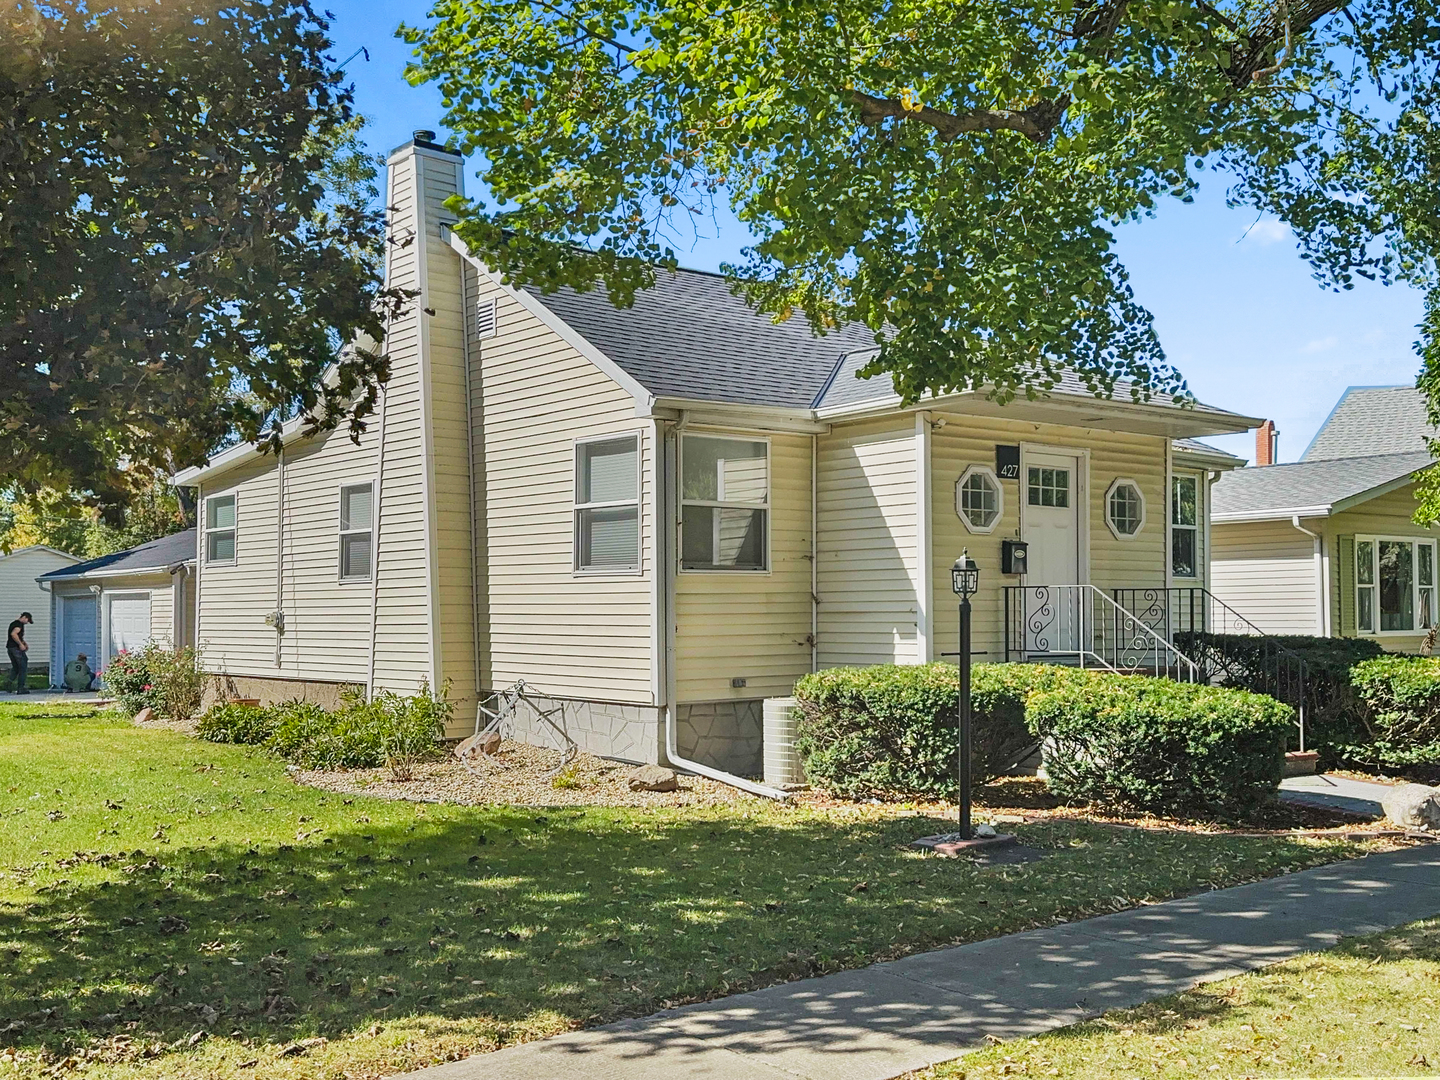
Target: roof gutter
pixel 1278 514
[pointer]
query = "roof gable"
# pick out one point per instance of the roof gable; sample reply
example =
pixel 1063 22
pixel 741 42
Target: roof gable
pixel 1372 420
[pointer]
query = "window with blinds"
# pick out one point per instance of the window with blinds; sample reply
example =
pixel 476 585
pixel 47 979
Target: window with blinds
pixel 357 531
pixel 724 503
pixel 607 504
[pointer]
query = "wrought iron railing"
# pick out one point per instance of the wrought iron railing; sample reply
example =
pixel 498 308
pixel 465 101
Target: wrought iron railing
pixel 1227 646
pixel 1081 625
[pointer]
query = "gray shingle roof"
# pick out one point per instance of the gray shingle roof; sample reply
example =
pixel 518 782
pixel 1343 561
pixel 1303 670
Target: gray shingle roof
pixel 691 337
pixel 1196 446
pixel 1313 486
pixel 155 555
pixel 1371 420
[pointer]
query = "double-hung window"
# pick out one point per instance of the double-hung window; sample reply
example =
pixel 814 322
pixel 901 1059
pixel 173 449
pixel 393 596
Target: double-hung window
pixel 220 529
pixel 1184 526
pixel 724 503
pixel 607 504
pixel 1394 585
pixel 357 531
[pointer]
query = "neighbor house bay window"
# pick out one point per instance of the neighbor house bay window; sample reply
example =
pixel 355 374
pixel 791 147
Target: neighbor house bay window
pixel 607 504
pixel 724 503
pixel 1394 585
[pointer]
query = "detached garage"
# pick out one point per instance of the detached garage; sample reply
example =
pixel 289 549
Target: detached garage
pixel 123 601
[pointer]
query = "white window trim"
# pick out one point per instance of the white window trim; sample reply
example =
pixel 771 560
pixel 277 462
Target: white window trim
pixel 1413 541
pixel 205 529
pixel 607 571
pixel 1173 525
pixel 341 532
pixel 681 502
pixel 986 471
pixel 1121 481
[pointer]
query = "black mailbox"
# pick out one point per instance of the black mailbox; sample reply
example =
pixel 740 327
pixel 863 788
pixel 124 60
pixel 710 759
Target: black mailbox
pixel 1014 556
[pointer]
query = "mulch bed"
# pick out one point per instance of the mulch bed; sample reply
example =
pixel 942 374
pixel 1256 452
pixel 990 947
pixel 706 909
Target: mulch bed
pixel 521 777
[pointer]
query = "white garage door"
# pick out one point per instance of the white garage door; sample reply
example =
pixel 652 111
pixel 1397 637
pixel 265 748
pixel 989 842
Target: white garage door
pixel 77 628
pixel 129 621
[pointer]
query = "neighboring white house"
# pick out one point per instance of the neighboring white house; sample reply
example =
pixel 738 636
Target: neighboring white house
pixel 20 592
pixel 662 515
pixel 1328 545
pixel 122 601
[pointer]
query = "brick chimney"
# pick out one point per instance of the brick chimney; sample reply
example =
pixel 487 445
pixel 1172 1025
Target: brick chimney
pixel 1267 443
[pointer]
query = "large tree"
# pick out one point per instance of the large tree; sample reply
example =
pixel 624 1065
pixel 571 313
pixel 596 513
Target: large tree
pixel 947 170
pixel 173 271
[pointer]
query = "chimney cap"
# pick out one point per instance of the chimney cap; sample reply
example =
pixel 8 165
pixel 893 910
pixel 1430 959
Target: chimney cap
pixel 423 135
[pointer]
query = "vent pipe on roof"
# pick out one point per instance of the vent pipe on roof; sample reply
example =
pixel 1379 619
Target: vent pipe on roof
pixel 423 135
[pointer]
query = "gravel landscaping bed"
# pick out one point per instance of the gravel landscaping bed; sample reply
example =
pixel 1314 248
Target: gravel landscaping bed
pixel 521 778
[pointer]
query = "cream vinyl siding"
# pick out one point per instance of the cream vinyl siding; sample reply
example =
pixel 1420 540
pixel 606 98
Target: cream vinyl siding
pixel 19 591
pixel 403 624
pixel 744 624
pixel 866 543
pixel 1388 515
pixel 1265 570
pixel 1136 562
pixel 231 636
pixel 571 635
pixel 450 444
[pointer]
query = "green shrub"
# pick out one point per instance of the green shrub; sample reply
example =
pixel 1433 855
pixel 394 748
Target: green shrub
pixel 1334 715
pixel 1400 696
pixel 177 684
pixel 893 730
pixel 245 725
pixel 128 677
pixel 387 730
pixel 1159 746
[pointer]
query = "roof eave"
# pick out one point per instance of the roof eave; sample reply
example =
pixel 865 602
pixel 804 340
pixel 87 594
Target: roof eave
pixel 1281 513
pixel 124 571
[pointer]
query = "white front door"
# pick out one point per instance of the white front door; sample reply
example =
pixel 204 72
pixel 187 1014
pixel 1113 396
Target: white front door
pixel 129 621
pixel 1052 490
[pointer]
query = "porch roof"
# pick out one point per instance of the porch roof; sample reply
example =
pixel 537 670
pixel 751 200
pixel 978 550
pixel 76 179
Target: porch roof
pixel 1311 488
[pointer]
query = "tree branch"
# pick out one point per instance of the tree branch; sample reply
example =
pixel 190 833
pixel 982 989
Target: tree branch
pixel 1035 123
pixel 1286 22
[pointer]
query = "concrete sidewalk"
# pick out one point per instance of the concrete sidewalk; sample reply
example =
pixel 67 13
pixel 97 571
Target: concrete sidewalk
pixel 1336 793
pixel 887 1019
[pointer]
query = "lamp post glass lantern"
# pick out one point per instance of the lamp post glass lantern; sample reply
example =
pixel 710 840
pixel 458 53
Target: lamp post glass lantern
pixel 965 580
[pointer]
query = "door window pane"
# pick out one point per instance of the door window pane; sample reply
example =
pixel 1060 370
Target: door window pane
pixel 1048 487
pixel 1397 584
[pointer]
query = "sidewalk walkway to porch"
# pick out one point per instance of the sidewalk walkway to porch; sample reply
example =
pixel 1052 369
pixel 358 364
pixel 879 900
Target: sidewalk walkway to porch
pixel 893 1017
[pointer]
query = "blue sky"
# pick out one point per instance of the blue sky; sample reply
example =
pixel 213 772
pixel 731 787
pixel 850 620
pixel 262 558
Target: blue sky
pixel 1234 304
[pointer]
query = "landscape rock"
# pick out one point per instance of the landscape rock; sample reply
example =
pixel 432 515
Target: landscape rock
pixel 985 830
pixel 483 742
pixel 653 778
pixel 1413 805
pixel 144 715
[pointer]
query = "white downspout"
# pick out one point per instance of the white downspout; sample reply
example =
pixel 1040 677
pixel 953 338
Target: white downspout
pixel 923 597
pixel 666 566
pixel 375 544
pixel 279 553
pixel 1322 594
pixel 814 555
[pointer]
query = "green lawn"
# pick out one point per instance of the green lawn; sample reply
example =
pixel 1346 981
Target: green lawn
pixel 182 908
pixel 1370 1007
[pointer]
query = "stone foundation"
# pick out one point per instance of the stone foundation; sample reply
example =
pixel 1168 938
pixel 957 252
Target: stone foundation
pixel 273 691
pixel 727 735
pixel 633 733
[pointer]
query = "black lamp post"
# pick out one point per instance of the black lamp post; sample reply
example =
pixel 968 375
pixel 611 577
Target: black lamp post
pixel 965 580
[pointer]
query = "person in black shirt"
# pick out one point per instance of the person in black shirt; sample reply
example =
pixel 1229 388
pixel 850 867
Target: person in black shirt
pixel 16 649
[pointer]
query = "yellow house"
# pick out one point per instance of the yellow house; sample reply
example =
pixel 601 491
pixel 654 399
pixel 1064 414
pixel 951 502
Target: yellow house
pixel 1327 545
pixel 659 517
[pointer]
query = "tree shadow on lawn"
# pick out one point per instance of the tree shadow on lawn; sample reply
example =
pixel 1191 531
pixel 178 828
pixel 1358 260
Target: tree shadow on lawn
pixel 519 923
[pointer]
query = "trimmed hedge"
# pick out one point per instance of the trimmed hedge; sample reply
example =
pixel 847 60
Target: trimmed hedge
pixel 892 731
pixel 1160 746
pixel 1400 697
pixel 387 730
pixel 1334 714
